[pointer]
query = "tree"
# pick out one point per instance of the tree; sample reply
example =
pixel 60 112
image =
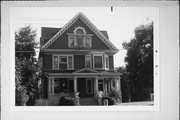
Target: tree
pixel 26 65
pixel 139 61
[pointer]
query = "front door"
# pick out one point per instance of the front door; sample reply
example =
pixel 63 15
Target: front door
pixel 85 87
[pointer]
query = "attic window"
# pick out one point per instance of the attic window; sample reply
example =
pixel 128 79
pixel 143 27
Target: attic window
pixel 79 38
pixel 79 31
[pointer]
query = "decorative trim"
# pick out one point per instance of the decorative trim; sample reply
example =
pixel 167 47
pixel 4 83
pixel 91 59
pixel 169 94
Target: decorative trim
pixel 89 24
pixel 94 71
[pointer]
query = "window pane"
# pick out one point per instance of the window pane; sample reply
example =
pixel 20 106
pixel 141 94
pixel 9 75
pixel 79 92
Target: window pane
pixel 107 62
pixel 70 65
pixel 57 85
pixel 62 59
pixel 55 62
pixel 64 85
pixel 62 62
pixel 98 61
pixel 63 66
pixel 71 41
pixel 87 42
pixel 88 61
pixel 79 40
pixel 79 31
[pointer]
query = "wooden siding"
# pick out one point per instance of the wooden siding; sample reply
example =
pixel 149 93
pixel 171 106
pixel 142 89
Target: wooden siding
pixel 62 41
pixel 47 61
pixel 79 61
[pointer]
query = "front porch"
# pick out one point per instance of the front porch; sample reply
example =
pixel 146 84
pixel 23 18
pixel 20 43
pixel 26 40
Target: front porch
pixel 86 82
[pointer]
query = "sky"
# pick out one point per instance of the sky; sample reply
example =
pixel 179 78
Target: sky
pixel 119 23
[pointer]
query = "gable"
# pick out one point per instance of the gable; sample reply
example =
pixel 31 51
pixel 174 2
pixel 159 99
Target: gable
pixel 86 70
pixel 62 41
pixel 100 35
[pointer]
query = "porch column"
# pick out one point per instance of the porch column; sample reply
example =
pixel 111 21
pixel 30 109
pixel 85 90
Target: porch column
pixel 117 83
pixel 75 84
pixel 52 85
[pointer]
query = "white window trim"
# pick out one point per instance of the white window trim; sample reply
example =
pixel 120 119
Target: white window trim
pixel 69 41
pixel 88 85
pixel 59 61
pixel 53 62
pixel 90 38
pixel 94 61
pixel 90 61
pixel 82 28
pixel 108 62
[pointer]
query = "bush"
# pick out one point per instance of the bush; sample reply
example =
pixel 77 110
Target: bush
pixel 68 101
pixel 115 94
pixel 111 101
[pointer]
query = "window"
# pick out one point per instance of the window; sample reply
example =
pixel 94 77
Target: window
pixel 88 61
pixel 55 62
pixel 62 62
pixel 70 62
pixel 71 41
pixel 107 61
pixel 98 61
pixel 79 38
pixel 100 85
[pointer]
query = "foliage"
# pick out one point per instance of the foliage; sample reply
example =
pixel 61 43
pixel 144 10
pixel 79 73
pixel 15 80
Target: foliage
pixel 115 94
pixel 26 65
pixel 68 101
pixel 111 100
pixel 139 61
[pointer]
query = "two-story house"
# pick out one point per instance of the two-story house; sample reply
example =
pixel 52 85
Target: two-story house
pixel 77 58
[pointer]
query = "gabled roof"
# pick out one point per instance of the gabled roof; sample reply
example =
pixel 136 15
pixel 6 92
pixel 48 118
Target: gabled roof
pixel 101 34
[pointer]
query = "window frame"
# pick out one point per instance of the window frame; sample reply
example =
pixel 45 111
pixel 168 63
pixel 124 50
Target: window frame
pixel 62 63
pixel 106 62
pixel 94 61
pixel 90 61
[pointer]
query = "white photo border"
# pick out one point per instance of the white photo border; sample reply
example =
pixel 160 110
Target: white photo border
pixel 11 64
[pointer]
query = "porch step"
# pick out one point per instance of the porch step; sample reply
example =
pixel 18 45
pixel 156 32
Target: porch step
pixel 88 101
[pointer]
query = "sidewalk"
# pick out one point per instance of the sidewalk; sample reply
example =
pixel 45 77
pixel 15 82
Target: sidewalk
pixel 144 103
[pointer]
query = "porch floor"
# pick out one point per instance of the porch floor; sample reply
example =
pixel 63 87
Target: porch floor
pixel 88 101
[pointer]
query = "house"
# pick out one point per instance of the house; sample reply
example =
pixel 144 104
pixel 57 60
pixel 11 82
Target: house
pixel 77 58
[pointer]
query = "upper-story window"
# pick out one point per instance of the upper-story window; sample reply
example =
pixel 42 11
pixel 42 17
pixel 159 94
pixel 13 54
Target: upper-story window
pixel 79 38
pixel 107 61
pixel 88 61
pixel 98 61
pixel 62 62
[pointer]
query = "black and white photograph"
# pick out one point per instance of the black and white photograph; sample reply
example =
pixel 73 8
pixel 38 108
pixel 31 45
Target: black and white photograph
pixel 84 56
pixel 104 60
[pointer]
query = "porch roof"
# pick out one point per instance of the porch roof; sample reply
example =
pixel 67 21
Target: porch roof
pixel 85 72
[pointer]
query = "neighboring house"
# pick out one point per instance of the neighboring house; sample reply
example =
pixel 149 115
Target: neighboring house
pixel 77 58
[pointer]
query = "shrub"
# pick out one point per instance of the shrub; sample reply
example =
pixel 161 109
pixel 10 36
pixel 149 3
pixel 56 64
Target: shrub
pixel 111 101
pixel 115 94
pixel 68 101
